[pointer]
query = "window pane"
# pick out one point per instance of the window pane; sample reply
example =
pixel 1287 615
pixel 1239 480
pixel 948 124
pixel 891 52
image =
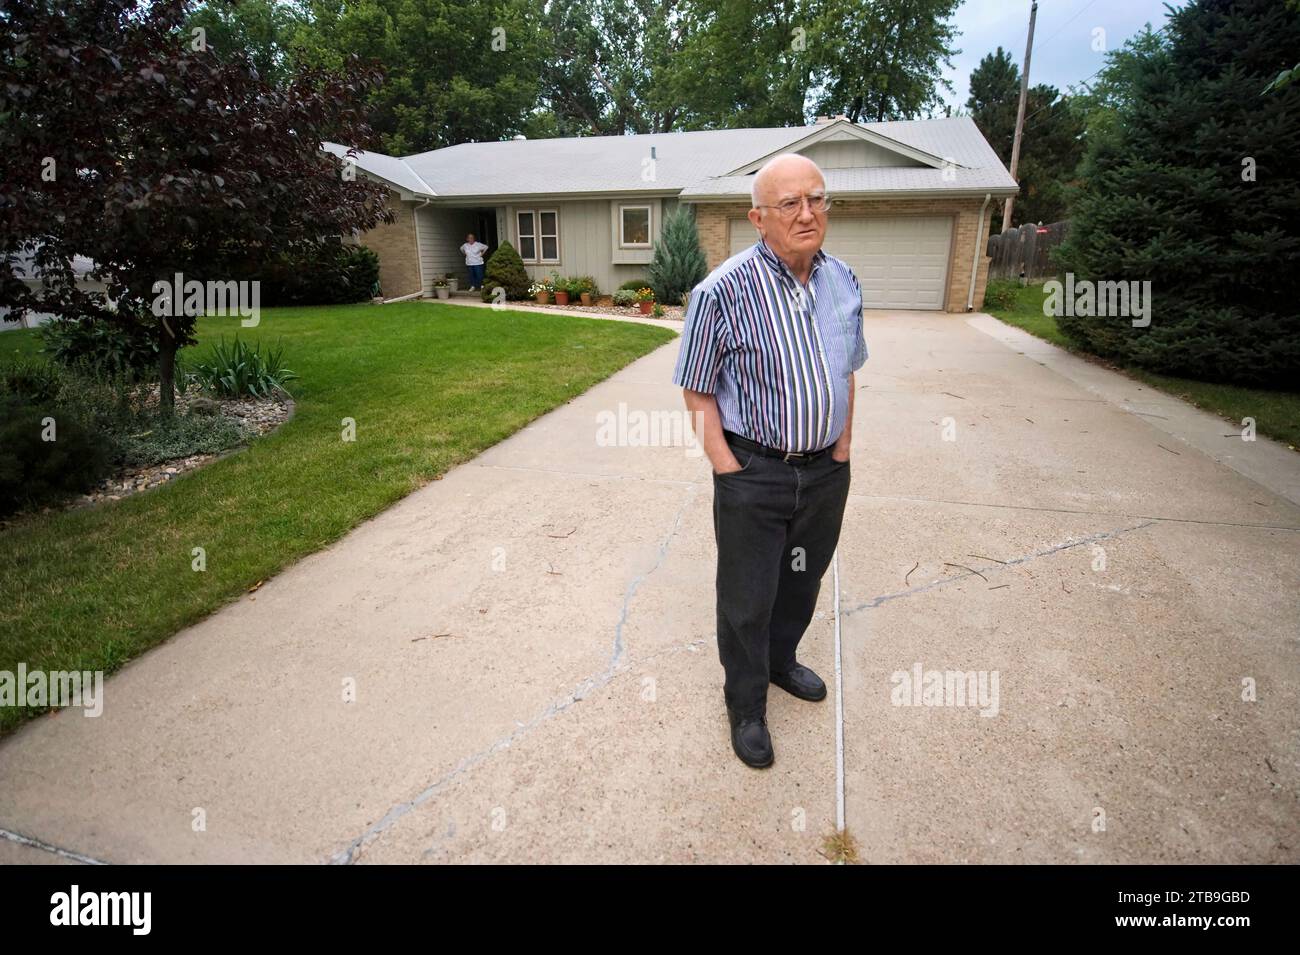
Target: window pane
pixel 549 223
pixel 550 248
pixel 636 226
pixel 526 224
pixel 527 248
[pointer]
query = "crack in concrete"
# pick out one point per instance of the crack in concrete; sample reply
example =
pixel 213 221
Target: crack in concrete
pixel 349 853
pixel 945 581
pixel 635 584
pixel 1156 518
pixel 28 841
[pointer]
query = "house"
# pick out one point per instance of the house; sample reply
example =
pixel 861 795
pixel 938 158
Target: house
pixel 25 269
pixel 910 214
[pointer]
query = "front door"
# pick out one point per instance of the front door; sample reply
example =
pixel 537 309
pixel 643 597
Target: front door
pixel 486 229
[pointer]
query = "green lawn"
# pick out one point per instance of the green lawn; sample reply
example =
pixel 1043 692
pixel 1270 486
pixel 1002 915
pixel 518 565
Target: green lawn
pixel 1276 413
pixel 428 385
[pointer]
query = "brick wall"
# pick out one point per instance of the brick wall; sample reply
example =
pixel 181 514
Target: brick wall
pixel 712 218
pixel 394 243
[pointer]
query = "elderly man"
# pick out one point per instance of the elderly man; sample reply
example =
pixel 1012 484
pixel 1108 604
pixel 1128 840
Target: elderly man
pixel 771 341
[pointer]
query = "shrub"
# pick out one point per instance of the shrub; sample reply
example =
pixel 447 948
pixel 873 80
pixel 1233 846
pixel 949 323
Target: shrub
pixel 107 403
pixel 33 470
pixel 331 273
pixel 678 263
pixel 236 370
pixel 31 379
pixel 625 297
pixel 113 346
pixel 506 269
pixel 1001 295
pixel 633 284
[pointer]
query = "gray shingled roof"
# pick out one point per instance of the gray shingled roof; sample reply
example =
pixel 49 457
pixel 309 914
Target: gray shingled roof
pixel 693 163
pixel 392 168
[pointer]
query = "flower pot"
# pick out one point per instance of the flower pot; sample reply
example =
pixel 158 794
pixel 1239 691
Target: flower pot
pixel 586 298
pixel 542 298
pixel 443 291
pixel 453 284
pixel 645 307
pixel 561 298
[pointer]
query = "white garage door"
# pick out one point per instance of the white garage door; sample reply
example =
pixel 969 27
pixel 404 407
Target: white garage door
pixel 901 261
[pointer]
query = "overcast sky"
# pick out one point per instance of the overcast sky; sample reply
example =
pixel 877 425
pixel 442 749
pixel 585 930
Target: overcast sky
pixel 1063 37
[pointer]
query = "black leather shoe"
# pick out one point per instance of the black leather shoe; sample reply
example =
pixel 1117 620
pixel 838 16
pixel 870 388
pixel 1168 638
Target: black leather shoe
pixel 801 682
pixel 751 740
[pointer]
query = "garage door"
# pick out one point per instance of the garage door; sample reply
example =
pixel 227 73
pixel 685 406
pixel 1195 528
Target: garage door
pixel 901 261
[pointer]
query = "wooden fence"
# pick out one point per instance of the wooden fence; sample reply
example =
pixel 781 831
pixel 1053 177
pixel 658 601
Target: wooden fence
pixel 1024 251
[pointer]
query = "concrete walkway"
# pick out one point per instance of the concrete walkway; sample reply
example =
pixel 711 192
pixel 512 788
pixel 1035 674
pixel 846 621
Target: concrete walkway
pixel 530 641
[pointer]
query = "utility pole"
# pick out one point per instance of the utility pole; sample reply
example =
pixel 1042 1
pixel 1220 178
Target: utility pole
pixel 1020 116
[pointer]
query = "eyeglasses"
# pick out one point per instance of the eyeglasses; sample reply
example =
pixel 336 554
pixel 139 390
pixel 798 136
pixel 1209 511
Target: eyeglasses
pixel 788 208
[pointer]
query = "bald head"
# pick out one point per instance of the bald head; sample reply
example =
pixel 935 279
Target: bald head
pixel 780 175
pixel 795 234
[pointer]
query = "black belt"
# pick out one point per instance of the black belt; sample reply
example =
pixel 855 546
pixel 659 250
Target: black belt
pixel 790 457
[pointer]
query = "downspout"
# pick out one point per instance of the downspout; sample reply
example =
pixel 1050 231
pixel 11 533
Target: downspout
pixel 975 259
pixel 419 257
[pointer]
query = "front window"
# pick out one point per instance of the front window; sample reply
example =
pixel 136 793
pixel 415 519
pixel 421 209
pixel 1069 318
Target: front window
pixel 634 227
pixel 528 236
pixel 539 235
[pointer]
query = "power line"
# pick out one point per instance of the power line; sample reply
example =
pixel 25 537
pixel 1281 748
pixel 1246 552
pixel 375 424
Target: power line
pixel 1081 82
pixel 1066 24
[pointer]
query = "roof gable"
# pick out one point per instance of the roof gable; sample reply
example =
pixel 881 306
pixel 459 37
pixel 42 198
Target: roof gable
pixel 841 130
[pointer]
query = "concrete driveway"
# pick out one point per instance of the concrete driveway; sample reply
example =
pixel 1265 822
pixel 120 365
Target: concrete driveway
pixel 529 651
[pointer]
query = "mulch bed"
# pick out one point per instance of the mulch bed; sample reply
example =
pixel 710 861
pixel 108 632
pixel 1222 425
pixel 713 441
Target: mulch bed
pixel 674 312
pixel 255 416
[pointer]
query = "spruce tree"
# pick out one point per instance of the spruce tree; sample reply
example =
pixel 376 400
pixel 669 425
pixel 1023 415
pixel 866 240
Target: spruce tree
pixel 1196 190
pixel 678 263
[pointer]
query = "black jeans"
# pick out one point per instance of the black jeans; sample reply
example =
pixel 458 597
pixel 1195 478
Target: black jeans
pixel 776 526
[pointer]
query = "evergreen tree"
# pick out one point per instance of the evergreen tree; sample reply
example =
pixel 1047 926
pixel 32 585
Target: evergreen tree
pixel 506 269
pixel 678 263
pixel 1051 144
pixel 1195 189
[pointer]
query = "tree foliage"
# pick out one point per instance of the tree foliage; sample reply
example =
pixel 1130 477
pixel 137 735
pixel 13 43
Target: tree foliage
pixel 127 141
pixel 1193 186
pixel 1051 144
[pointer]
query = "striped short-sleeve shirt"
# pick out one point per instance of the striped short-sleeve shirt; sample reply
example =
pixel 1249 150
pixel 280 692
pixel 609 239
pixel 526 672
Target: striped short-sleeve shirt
pixel 775 353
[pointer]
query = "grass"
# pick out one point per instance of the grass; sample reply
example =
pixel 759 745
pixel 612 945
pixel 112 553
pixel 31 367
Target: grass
pixel 1276 413
pixel 428 386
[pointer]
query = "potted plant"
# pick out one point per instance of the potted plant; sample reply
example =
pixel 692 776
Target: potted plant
pixel 561 291
pixel 586 289
pixel 440 286
pixel 541 292
pixel 645 299
pixel 453 283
